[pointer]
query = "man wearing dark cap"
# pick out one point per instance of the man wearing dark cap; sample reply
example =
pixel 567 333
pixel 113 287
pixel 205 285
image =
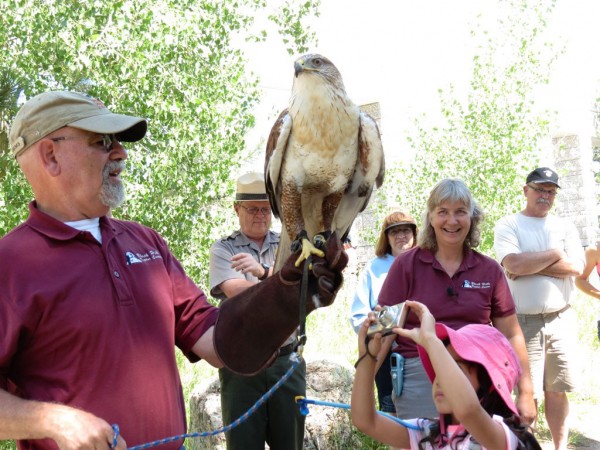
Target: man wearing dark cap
pixel 237 262
pixel 541 255
pixel 91 308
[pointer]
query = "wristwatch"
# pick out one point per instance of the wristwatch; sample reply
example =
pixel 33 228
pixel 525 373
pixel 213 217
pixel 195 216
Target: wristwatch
pixel 266 269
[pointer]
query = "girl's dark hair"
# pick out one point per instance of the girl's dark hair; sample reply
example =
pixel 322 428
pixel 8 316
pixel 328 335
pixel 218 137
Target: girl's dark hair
pixel 492 402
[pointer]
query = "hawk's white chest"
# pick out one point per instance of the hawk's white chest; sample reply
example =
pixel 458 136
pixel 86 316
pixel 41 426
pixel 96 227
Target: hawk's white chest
pixel 323 145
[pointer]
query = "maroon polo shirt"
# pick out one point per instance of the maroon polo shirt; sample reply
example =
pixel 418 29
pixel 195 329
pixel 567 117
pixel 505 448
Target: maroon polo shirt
pixel 95 325
pixel 476 293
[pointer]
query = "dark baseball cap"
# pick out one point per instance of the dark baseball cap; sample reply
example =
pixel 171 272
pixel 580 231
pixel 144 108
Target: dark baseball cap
pixel 543 175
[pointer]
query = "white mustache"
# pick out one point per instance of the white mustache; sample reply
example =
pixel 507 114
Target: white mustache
pixel 113 166
pixel 543 200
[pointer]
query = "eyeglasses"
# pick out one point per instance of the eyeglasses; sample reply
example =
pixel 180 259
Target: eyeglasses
pixel 395 231
pixel 106 141
pixel 253 210
pixel 551 192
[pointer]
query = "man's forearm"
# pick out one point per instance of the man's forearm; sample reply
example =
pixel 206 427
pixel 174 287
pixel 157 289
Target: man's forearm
pixel 16 417
pixel 530 263
pixel 563 268
pixel 69 427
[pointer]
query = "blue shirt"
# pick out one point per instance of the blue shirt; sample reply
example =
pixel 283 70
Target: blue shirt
pixel 367 291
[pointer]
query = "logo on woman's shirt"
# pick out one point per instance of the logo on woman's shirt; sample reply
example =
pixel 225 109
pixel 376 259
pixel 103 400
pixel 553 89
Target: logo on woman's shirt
pixel 476 284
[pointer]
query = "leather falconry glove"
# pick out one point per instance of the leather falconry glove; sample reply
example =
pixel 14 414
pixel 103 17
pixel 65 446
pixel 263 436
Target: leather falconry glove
pixel 255 323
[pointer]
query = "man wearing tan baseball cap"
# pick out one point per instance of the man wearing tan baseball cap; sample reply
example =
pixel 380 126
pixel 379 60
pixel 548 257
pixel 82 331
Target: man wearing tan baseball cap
pixel 92 307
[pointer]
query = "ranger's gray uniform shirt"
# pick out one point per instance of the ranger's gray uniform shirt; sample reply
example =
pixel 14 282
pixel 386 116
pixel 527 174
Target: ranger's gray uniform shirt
pixel 237 242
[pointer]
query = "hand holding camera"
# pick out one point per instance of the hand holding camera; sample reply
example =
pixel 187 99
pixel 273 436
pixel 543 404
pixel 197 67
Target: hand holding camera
pixel 382 322
pixel 387 318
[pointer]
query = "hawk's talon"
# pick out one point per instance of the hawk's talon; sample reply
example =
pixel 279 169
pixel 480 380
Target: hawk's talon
pixel 320 241
pixel 296 246
pixel 308 249
pixel 297 243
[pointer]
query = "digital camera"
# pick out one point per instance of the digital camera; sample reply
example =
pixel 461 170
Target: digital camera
pixel 389 317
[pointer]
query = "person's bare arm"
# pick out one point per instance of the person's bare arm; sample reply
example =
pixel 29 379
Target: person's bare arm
pixel 509 327
pixel 563 268
pixel 362 405
pixel 244 263
pixel 234 286
pixel 530 263
pixel 205 349
pixel 592 256
pixel 70 428
pixel 386 344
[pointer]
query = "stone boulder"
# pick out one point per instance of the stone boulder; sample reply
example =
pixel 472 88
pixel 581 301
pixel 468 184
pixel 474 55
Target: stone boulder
pixel 327 427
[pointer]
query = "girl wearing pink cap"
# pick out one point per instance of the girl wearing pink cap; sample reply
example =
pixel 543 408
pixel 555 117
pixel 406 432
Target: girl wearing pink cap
pixel 473 371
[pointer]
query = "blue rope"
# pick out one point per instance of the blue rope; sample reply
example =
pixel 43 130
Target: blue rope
pixel 295 361
pixel 115 437
pixel 304 402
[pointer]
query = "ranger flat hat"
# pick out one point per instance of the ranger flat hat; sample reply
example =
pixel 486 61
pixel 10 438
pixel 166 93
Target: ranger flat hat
pixel 47 112
pixel 251 186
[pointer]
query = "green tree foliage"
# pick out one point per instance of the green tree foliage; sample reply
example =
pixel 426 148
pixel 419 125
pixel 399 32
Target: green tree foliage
pixel 173 62
pixel 288 21
pixel 13 188
pixel 491 140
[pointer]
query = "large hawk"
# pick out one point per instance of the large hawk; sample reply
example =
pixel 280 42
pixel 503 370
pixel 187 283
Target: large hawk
pixel 323 157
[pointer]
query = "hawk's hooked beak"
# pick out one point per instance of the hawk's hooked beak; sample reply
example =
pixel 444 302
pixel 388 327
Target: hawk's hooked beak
pixel 298 67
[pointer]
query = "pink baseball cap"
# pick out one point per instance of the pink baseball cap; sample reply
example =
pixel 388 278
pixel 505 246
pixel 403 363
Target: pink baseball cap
pixel 485 345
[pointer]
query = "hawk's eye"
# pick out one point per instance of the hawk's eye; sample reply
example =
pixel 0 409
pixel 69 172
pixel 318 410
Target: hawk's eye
pixel 317 62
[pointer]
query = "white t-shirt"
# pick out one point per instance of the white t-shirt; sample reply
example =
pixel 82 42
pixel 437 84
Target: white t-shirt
pixel 517 233
pixel 467 443
pixel 90 225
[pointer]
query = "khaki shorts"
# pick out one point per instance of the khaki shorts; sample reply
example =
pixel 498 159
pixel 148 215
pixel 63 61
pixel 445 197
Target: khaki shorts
pixel 551 345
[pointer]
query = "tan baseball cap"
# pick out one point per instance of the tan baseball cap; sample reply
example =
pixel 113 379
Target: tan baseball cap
pixel 47 112
pixel 251 186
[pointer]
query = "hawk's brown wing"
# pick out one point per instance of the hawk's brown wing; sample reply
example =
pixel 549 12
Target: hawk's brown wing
pixel 368 173
pixel 275 151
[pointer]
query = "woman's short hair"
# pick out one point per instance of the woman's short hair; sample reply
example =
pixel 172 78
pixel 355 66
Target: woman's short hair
pixel 390 221
pixel 452 190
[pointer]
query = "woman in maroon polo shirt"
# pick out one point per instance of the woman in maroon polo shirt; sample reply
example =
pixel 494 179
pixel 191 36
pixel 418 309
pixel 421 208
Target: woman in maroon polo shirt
pixel 459 286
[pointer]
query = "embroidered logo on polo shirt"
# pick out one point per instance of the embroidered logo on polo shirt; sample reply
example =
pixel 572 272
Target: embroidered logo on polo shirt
pixel 139 258
pixel 476 284
pixel 131 258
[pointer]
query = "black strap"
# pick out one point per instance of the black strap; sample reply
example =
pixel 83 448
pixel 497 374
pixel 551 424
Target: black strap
pixel 367 339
